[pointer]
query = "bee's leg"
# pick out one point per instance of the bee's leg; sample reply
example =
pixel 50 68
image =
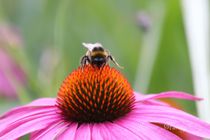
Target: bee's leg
pixel 104 64
pixel 84 60
pixel 114 61
pixel 87 61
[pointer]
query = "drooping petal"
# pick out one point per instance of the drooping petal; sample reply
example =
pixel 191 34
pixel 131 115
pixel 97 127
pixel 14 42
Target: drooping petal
pixel 69 132
pixel 50 132
pixel 24 112
pixel 172 117
pixel 192 137
pixel 147 131
pixel 139 97
pixel 6 127
pixel 169 94
pixel 43 102
pixel 25 126
pixel 112 131
pixel 83 132
pixel 19 117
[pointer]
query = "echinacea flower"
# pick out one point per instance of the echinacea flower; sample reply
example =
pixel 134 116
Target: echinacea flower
pixel 10 72
pixel 99 104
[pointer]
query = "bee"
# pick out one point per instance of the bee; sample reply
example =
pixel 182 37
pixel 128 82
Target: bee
pixel 97 55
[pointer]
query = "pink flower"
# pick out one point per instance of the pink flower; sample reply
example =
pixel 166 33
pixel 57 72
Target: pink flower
pixel 99 104
pixel 10 71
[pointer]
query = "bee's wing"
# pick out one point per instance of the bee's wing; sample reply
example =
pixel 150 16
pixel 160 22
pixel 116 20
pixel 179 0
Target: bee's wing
pixel 90 46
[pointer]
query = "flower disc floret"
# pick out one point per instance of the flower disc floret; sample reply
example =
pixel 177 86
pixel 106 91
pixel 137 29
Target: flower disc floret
pixel 92 94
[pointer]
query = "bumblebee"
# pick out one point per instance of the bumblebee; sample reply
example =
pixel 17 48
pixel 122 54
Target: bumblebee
pixel 97 56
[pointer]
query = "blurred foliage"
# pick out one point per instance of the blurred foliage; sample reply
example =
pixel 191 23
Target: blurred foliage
pixel 61 26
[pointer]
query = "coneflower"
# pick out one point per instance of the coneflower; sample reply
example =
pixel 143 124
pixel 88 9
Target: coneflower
pixel 10 71
pixel 98 103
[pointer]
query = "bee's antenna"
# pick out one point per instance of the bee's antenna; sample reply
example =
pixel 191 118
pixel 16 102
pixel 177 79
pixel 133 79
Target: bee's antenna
pixel 115 62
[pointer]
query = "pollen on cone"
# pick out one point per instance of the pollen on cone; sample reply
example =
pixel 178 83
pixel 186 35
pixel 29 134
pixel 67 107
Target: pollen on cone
pixel 92 94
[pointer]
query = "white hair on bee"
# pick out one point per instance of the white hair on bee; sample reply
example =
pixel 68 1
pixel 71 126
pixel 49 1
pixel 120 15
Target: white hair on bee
pixel 91 46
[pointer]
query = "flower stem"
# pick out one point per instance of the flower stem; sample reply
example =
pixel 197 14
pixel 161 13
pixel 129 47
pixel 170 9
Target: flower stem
pixel 196 17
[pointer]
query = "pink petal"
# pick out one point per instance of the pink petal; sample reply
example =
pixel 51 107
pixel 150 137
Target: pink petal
pixel 8 126
pixel 97 131
pixel 192 137
pixel 83 132
pixel 139 97
pixel 101 132
pixel 112 131
pixel 24 112
pixel 50 132
pixel 147 130
pixel 169 94
pixel 69 132
pixel 24 127
pixel 43 102
pixel 172 117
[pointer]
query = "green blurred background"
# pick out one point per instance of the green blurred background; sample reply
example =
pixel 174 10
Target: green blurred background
pixel 53 31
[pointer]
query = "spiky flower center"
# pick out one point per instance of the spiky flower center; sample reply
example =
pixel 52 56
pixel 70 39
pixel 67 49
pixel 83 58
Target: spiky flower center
pixel 92 94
